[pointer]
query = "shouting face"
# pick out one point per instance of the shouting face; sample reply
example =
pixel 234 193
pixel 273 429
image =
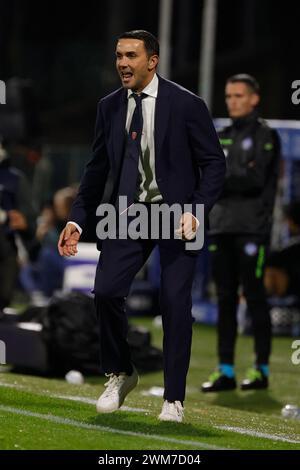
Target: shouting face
pixel 135 67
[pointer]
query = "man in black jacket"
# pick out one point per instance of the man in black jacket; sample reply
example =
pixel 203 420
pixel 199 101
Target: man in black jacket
pixel 240 226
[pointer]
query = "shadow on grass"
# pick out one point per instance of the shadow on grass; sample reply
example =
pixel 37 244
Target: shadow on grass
pixel 259 401
pixel 146 424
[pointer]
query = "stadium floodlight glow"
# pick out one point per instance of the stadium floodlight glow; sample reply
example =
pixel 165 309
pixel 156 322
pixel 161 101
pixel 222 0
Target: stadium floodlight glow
pixel 2 352
pixel 296 93
pixel 2 92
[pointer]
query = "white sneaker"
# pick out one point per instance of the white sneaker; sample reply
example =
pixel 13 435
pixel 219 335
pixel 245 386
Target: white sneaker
pixel 172 411
pixel 117 388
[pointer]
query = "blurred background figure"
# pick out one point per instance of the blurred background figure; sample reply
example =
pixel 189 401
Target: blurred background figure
pixel 43 276
pixel 30 158
pixel 17 224
pixel 282 275
pixel 240 227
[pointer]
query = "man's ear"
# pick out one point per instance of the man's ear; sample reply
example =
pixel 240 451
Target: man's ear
pixel 255 99
pixel 152 63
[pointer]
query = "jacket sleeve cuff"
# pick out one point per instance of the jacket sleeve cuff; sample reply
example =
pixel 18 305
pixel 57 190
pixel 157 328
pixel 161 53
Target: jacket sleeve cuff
pixel 76 225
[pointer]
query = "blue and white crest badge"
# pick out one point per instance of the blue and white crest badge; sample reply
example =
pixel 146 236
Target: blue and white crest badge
pixel 247 143
pixel 251 249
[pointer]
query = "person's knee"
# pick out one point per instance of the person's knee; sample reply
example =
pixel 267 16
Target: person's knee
pixel 105 290
pixel 108 288
pixel 227 296
pixel 173 300
pixel 254 297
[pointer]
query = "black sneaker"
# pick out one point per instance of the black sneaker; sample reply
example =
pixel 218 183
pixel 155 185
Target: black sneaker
pixel 218 382
pixel 255 380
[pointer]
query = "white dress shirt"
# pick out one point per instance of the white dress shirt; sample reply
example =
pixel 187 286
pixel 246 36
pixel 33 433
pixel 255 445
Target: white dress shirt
pixel 147 190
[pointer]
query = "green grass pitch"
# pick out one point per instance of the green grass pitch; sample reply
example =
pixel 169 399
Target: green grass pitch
pixel 38 413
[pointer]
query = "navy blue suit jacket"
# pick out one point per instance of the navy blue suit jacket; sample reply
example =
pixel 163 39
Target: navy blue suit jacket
pixel 189 161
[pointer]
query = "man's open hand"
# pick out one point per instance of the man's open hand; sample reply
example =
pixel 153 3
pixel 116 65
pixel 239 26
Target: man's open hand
pixel 68 240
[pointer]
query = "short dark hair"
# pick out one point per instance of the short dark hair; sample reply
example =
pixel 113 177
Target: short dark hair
pixel 250 81
pixel 150 42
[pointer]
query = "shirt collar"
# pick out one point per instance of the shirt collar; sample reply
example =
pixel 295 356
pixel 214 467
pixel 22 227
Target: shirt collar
pixel 151 89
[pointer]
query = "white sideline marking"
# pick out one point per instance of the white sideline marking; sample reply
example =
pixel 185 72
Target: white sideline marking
pixel 89 401
pixel 3 384
pixel 96 427
pixel 254 433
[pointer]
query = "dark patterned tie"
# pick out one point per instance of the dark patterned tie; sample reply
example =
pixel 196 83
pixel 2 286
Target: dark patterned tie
pixel 129 172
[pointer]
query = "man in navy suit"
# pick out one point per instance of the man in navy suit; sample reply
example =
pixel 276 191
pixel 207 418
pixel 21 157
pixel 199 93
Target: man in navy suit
pixel 157 143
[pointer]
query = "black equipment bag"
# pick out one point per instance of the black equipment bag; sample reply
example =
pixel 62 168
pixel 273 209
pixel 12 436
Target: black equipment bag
pixel 71 339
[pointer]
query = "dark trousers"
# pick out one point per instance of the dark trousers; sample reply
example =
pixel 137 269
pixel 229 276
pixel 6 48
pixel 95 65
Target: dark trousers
pixel 119 262
pixel 239 259
pixel 8 269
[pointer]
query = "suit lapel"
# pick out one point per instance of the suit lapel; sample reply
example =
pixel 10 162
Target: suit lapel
pixel 162 114
pixel 119 123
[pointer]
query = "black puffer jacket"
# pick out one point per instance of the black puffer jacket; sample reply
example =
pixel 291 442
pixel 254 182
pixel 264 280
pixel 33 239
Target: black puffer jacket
pixel 252 153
